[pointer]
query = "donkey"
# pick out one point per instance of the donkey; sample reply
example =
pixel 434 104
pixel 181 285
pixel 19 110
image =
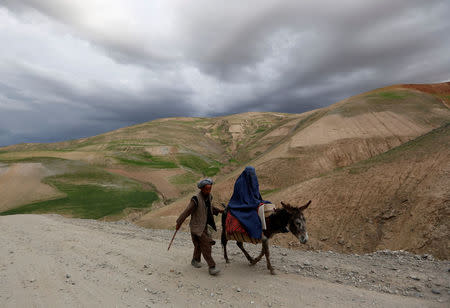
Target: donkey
pixel 285 219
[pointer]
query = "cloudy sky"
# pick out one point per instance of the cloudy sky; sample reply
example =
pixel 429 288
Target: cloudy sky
pixel 71 69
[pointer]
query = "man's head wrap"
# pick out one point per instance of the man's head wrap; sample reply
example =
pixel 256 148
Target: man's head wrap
pixel 204 182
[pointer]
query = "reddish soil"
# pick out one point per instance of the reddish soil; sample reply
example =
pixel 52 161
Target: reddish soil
pixel 442 90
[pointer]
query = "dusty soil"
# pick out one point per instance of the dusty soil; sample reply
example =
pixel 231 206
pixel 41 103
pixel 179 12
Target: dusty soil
pixel 54 261
pixel 369 125
pixel 165 217
pixel 399 201
pixel 159 178
pixel 21 184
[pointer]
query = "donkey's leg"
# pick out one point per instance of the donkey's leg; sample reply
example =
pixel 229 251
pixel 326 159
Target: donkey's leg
pixel 258 258
pixel 241 246
pixel 263 251
pixel 267 253
pixel 225 254
pixel 224 242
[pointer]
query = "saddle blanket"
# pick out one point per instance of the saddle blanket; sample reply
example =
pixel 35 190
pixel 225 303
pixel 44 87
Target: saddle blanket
pixel 235 231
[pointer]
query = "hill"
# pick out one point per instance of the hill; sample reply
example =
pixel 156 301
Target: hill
pixel 397 200
pixel 168 154
pixel 338 156
pixel 311 160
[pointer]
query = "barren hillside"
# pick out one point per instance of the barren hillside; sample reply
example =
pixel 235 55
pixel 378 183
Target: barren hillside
pixel 400 202
pixel 397 200
pixel 147 172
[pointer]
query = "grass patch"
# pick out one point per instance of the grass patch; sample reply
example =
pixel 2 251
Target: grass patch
pixel 127 144
pixel 261 129
pixel 199 165
pixel 441 96
pixel 147 161
pixel 194 122
pixel 35 159
pixel 91 192
pixel 183 179
pixel 266 192
pixel 89 201
pixel 404 102
pixel 389 95
pixel 91 175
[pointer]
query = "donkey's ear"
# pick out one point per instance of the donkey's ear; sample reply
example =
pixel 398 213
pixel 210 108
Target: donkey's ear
pixel 287 206
pixel 305 206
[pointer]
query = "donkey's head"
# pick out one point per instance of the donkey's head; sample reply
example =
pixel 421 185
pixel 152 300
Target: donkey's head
pixel 297 222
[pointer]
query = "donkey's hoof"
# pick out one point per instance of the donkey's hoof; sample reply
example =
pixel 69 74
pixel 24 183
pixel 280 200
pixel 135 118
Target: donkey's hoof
pixel 273 272
pixel 227 261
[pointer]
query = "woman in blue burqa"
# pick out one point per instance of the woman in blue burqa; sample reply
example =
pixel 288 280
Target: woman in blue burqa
pixel 245 201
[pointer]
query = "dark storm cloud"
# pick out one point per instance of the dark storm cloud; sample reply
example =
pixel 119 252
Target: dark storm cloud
pixel 75 68
pixel 57 110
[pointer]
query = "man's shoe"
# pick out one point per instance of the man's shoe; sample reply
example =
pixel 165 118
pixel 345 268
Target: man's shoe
pixel 214 271
pixel 196 264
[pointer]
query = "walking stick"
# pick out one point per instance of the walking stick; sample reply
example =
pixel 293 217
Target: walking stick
pixel 173 237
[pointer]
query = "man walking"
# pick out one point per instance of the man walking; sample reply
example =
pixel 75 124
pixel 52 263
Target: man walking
pixel 201 211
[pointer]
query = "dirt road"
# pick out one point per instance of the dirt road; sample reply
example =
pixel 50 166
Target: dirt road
pixel 50 261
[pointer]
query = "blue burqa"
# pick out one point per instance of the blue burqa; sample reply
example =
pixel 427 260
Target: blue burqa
pixel 245 201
